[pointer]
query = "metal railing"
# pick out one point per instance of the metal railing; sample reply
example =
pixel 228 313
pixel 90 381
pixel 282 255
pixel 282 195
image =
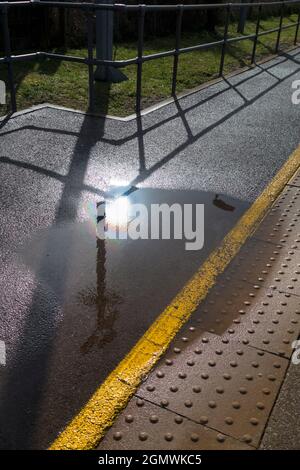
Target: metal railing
pixel 141 10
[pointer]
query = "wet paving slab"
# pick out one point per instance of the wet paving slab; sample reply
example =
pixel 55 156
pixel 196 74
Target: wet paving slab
pixel 74 304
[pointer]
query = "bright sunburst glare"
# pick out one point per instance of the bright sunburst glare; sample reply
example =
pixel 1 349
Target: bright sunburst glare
pixel 117 212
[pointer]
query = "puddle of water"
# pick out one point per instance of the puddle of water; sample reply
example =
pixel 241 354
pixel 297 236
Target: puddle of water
pixel 108 292
pixel 86 273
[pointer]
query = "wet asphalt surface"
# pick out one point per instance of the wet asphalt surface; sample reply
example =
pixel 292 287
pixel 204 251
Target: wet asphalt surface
pixel 72 306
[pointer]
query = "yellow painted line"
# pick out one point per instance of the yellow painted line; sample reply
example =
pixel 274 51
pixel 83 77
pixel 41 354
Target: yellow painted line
pixel 89 426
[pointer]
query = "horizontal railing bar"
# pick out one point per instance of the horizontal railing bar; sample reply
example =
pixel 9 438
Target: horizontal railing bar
pixel 84 60
pixel 20 57
pixel 41 55
pixel 199 47
pixel 241 38
pixel 114 63
pixel 275 30
pixel 290 25
pixel 120 6
pixel 159 55
pixel 270 31
pixel 182 50
pixel 68 58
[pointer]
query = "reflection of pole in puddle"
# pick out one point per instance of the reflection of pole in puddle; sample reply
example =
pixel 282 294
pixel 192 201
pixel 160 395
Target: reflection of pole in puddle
pixel 106 303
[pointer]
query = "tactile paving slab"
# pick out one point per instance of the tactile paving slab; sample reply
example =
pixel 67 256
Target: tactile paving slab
pixel 217 382
pixel 267 265
pixel 227 304
pixel 295 180
pixel 146 426
pixel 272 325
pixel 282 223
pixel 270 320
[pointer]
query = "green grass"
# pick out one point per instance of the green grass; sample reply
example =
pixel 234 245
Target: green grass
pixel 65 83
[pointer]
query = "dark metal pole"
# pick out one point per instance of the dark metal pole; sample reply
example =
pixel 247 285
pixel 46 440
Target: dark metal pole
pixel 297 30
pixel 256 34
pixel 280 28
pixel 7 51
pixel 90 58
pixel 104 45
pixel 177 47
pixel 243 13
pixel 140 58
pixel 225 39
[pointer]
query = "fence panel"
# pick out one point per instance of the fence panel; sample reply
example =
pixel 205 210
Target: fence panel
pixel 141 10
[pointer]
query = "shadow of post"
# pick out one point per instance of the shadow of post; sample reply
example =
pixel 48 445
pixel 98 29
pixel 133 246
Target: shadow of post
pixel 23 387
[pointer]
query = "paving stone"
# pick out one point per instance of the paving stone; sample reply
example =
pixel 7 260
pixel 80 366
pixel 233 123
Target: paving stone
pixel 282 223
pixel 295 180
pixel 267 265
pixel 217 382
pixel 146 426
pixel 271 322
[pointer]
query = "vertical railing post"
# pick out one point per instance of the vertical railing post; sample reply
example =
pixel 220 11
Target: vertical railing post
pixel 256 34
pixel 90 46
pixel 280 28
pixel 140 48
pixel 228 10
pixel 177 47
pixel 7 52
pixel 297 30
